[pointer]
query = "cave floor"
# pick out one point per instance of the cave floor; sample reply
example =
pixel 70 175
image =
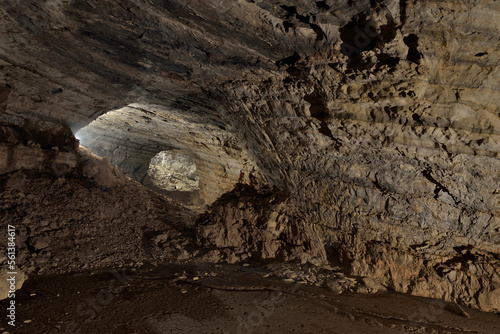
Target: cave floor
pixel 221 299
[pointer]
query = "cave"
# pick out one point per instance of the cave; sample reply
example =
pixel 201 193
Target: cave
pixel 249 166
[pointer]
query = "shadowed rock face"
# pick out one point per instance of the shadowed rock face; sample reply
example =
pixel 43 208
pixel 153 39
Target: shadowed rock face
pixel 380 118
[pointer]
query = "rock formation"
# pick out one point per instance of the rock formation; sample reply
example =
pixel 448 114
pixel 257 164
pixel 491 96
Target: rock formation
pixel 249 222
pixel 380 120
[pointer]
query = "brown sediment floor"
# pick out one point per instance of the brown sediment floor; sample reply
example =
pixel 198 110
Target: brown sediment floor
pixel 222 299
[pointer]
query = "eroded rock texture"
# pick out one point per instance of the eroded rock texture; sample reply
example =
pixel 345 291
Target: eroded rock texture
pixel 249 222
pixel 380 118
pixel 173 170
pixel 132 136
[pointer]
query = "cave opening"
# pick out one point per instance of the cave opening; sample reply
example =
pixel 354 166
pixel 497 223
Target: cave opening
pixel 174 174
pixel 143 140
pixel 163 163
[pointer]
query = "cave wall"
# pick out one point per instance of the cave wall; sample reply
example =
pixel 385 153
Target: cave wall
pixel 381 118
pixel 392 152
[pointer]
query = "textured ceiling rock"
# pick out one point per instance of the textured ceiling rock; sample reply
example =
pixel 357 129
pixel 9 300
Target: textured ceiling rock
pixel 381 118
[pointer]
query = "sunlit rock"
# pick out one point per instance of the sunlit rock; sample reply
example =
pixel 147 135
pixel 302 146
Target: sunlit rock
pixel 174 171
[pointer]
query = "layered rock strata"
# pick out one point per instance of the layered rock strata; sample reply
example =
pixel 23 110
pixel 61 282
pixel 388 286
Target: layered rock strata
pixel 380 118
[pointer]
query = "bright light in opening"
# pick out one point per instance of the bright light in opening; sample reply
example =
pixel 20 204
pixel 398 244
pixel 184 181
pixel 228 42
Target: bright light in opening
pixel 78 137
pixel 173 171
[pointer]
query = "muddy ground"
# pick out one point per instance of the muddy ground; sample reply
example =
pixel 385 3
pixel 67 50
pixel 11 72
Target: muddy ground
pixel 222 299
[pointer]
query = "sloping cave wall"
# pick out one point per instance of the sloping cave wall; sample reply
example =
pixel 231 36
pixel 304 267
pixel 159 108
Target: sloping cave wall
pixel 381 118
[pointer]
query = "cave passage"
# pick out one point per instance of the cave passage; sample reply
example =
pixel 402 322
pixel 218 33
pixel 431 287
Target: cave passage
pixel 173 173
pixel 349 147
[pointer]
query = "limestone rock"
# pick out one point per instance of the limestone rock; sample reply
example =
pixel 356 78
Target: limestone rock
pixel 379 118
pixel 5 286
pixel 40 242
pixel 335 287
pixel 249 220
pixel 173 170
pixel 373 285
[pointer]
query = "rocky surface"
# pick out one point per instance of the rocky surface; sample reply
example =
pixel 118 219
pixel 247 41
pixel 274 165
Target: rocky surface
pixel 223 299
pixel 380 119
pixel 90 218
pixel 173 170
pixel 249 222
pixel 150 129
